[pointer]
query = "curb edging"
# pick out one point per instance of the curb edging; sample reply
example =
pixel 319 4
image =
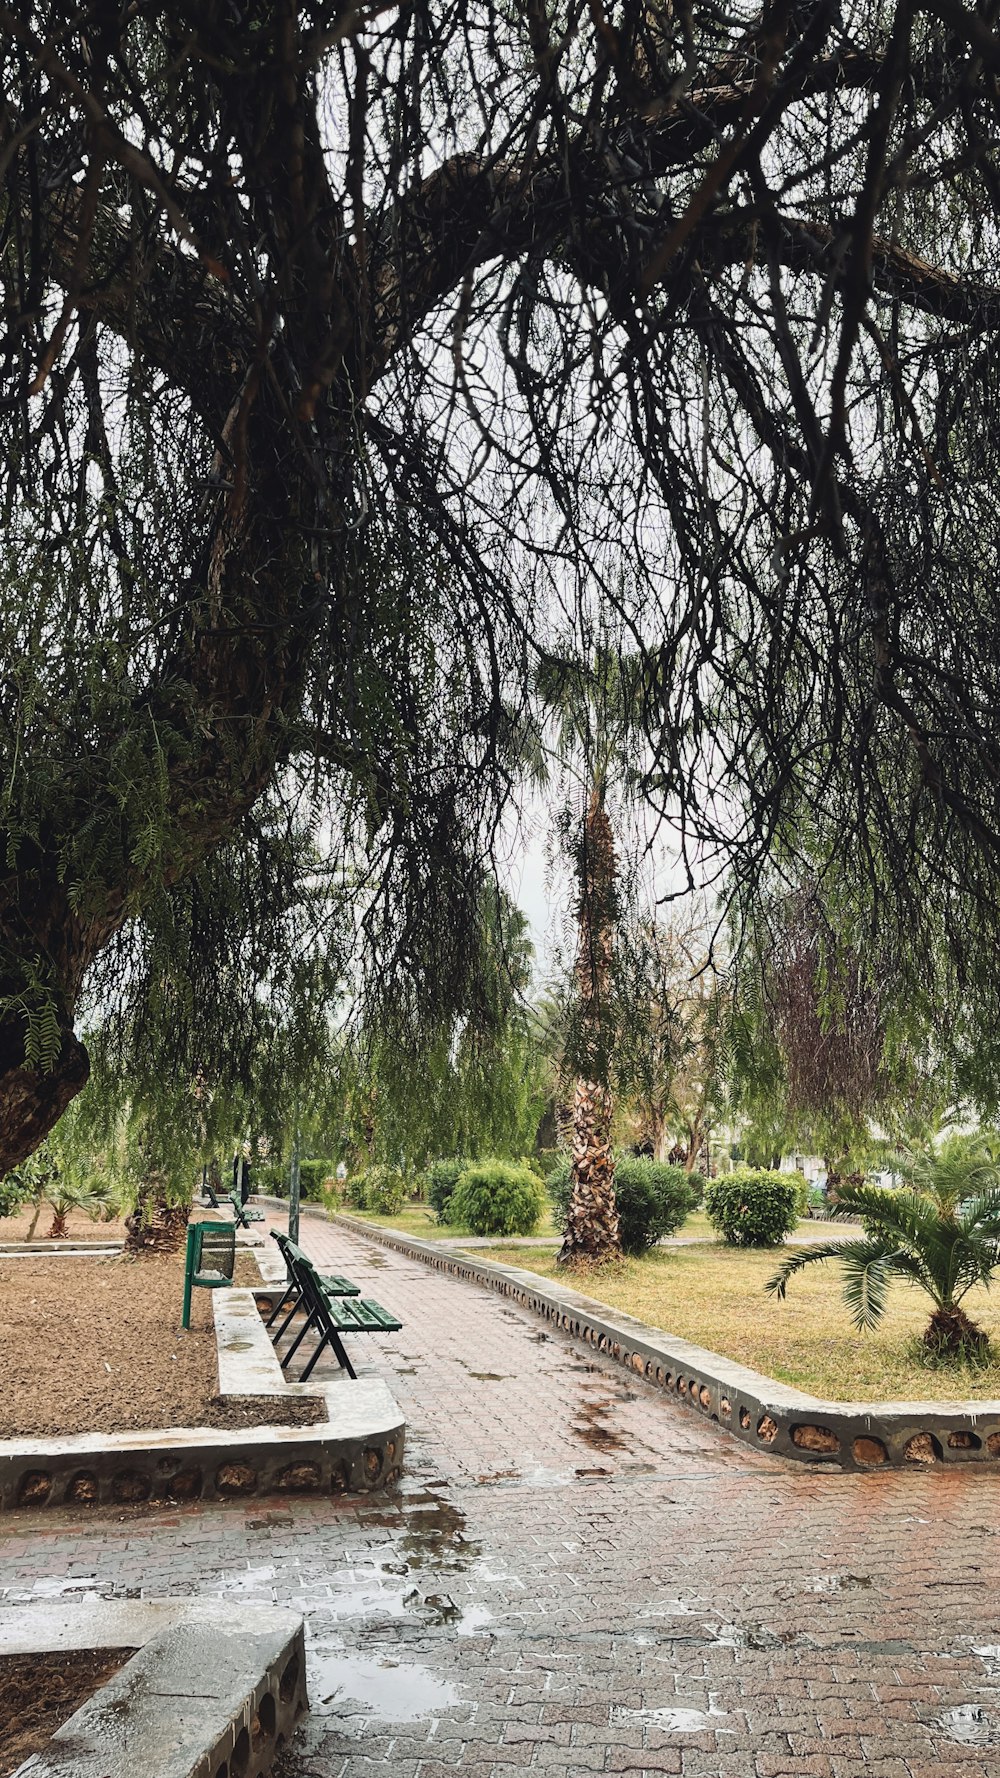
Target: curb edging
pixel 763 1413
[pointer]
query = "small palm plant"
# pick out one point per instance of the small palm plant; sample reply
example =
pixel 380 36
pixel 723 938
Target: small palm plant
pixel 91 1196
pixel 941 1231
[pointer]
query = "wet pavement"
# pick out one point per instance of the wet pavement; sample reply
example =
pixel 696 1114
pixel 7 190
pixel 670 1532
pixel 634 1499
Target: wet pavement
pixel 578 1575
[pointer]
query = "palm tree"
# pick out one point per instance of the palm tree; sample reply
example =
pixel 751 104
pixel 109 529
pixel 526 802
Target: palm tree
pixel 91 1196
pixel 941 1231
pixel 594 709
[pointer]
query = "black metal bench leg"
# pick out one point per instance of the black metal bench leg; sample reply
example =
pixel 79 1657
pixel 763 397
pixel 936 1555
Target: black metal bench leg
pixel 331 1338
pixel 277 1338
pixel 279 1305
pixel 300 1336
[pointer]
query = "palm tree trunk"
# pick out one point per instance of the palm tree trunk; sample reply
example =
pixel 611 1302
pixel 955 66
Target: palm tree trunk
pixel 60 1225
pixel 155 1226
pixel 951 1331
pixel 591 1231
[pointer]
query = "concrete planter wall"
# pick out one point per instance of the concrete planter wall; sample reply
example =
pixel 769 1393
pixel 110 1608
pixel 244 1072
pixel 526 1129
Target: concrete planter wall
pixel 763 1413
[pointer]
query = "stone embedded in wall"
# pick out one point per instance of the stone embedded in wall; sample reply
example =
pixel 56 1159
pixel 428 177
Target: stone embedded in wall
pixel 298 1478
pixel 186 1485
pixel 815 1438
pixel 235 1478
pixel 870 1452
pixel 130 1484
pixel 35 1488
pixel 83 1488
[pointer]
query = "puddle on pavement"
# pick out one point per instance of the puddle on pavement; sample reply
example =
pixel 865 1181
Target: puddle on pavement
pixel 989 1654
pixel 969 1725
pixel 672 1719
pixel 592 1429
pixel 754 1636
pixel 389 1691
pixel 839 1583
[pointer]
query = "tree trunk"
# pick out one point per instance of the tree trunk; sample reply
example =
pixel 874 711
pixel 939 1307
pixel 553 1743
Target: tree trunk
pixel 591 1231
pixel 44 949
pixel 951 1333
pixel 60 1225
pixel 155 1226
pixel 592 1219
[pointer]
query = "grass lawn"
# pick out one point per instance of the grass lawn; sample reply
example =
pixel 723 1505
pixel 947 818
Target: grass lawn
pixel 714 1295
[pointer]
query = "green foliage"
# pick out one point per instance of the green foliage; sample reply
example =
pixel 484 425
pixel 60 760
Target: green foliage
pixel 442 1178
pixel 379 1189
pixel 312 1178
pixel 548 1159
pixel 14 1191
pixel 697 1183
pixel 754 1208
pixel 468 1087
pixel 653 1198
pixel 495 1197
pixel 941 1231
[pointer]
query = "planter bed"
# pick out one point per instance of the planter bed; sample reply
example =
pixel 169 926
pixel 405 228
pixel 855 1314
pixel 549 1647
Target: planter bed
pixel 96 1345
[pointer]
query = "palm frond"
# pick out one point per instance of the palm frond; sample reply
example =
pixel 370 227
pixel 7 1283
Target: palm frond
pixel 795 1262
pixel 868 1268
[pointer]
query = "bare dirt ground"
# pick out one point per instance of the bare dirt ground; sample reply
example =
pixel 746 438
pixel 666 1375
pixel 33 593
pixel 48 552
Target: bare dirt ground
pixel 81 1227
pixel 38 1693
pixel 97 1345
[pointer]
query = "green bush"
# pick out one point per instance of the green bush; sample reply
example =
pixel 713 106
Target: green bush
pixel 269 1178
pixel 753 1207
pixel 379 1189
pixel 312 1177
pixel 442 1178
pixel 548 1159
pixel 13 1193
pixel 497 1198
pixel 653 1198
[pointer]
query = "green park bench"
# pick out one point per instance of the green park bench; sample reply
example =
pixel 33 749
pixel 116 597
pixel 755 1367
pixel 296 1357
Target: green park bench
pixel 209 1259
pixel 292 1254
pixel 243 1214
pixel 329 1316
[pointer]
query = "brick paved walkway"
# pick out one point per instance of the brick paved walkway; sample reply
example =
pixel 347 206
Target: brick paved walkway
pixel 579 1576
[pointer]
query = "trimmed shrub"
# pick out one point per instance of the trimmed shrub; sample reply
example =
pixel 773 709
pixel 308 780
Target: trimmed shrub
pixel 754 1207
pixel 497 1198
pixel 270 1178
pixel 653 1198
pixel 379 1189
pixel 312 1178
pixel 442 1178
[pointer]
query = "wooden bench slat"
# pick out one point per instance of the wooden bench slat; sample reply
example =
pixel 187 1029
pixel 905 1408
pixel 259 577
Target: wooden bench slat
pixel 359 1315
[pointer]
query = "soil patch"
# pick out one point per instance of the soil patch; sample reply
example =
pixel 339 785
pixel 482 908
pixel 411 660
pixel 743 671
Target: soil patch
pixel 38 1693
pixel 97 1345
pixel 81 1227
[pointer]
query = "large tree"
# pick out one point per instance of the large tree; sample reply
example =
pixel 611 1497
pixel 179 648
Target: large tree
pixel 340 342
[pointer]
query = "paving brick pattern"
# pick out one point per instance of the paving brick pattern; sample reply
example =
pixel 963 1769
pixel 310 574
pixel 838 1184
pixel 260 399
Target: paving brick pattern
pixel 581 1576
